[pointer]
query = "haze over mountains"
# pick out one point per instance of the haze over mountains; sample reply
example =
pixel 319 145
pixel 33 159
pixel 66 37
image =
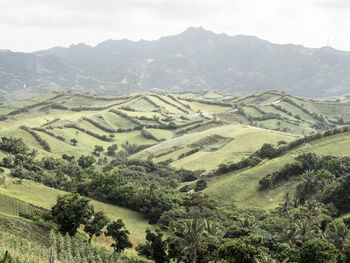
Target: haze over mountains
pixel 195 59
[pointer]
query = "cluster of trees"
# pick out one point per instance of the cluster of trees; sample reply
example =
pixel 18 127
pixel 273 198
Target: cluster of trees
pixel 143 186
pixel 330 167
pixel 71 211
pixel 290 233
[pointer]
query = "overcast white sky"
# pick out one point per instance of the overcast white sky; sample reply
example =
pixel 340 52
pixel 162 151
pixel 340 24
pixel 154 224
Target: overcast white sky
pixel 28 25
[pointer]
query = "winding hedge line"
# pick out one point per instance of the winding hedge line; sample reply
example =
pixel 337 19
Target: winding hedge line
pixel 100 126
pixel 126 116
pixel 38 138
pixel 27 108
pixel 58 137
pixel 314 115
pixel 98 136
pixel 190 152
pixel 151 101
pixel 51 122
pixel 140 125
pixel 169 103
pixel 178 101
pixel 148 135
pixel 209 102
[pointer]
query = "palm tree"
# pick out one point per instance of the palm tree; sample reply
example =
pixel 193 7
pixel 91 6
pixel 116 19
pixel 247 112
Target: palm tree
pixel 288 234
pixel 312 210
pixel 286 205
pixel 305 230
pixel 248 222
pixel 192 238
pixel 337 233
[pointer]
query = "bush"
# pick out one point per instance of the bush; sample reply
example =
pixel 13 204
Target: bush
pixel 200 185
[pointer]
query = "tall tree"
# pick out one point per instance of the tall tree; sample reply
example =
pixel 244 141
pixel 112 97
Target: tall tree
pixel 96 224
pixel 192 238
pixel 158 245
pixel 337 233
pixel 70 211
pixel 120 235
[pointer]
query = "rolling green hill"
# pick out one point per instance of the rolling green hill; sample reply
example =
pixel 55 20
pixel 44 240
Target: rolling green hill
pixel 196 131
pixel 150 119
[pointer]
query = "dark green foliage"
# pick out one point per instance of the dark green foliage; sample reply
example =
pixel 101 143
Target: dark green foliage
pixel 111 149
pixel 339 195
pixel 186 188
pixel 132 148
pixel 267 151
pixel 74 141
pixel 318 251
pixel 37 137
pixel 242 250
pixel 201 184
pixel 155 248
pixel 70 211
pixel 13 145
pixel 86 161
pixel 120 235
pixel 201 200
pixel 190 152
pixel 98 149
pixel 95 225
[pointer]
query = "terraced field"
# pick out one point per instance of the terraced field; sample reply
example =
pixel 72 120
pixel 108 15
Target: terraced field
pixel 196 131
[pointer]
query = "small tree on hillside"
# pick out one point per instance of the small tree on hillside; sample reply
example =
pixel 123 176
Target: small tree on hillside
pixel 86 161
pixel 120 235
pixel 74 141
pixel 70 211
pixel 98 149
pixel 96 224
pixel 111 149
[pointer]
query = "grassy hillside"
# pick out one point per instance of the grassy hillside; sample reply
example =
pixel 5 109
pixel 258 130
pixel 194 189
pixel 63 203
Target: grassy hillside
pixel 48 123
pixel 242 187
pixel 195 131
pixel 39 195
pixel 225 143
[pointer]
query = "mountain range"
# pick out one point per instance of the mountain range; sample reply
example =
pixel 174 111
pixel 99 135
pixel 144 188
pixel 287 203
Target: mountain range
pixel 196 59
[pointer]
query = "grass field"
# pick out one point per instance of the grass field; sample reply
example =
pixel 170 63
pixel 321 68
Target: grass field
pixel 244 141
pixel 43 196
pixel 242 187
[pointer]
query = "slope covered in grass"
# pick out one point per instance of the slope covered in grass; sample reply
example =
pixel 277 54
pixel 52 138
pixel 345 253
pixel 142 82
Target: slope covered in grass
pixel 43 196
pixel 242 187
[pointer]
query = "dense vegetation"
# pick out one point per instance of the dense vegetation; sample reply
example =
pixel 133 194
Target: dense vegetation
pixel 304 228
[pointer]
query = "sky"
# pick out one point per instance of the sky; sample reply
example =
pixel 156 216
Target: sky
pixel 30 25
